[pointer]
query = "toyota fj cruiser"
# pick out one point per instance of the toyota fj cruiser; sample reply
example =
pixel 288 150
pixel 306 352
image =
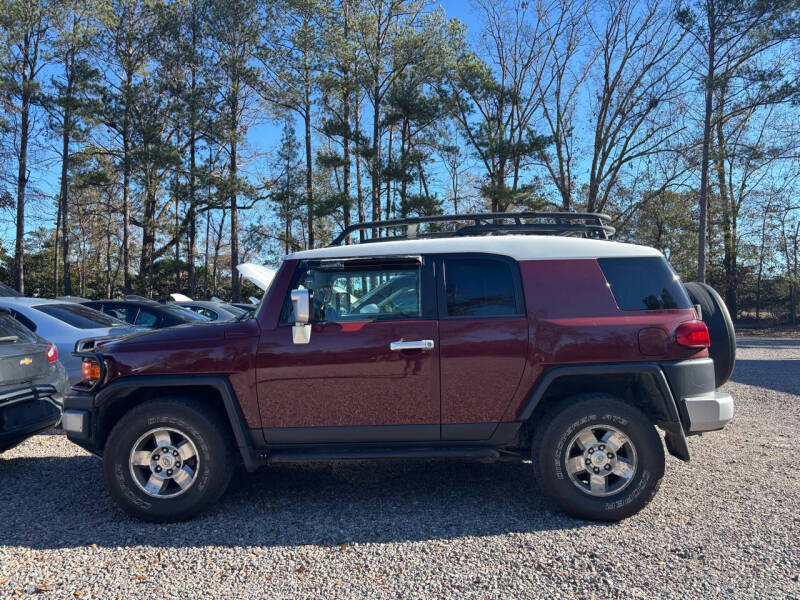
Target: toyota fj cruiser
pixel 526 336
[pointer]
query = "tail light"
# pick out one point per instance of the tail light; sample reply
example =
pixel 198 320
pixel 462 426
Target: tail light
pixel 52 352
pixel 90 370
pixel 693 334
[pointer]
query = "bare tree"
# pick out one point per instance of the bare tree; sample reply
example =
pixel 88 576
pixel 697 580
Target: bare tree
pixel 642 85
pixel 566 63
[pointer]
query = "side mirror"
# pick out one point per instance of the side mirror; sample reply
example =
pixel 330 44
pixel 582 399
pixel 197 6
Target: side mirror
pixel 301 307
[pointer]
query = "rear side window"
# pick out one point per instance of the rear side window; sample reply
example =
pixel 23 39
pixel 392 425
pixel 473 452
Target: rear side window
pixel 479 288
pixel 644 283
pixel 78 316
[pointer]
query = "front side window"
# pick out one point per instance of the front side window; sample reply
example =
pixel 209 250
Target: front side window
pixel 360 295
pixel 479 288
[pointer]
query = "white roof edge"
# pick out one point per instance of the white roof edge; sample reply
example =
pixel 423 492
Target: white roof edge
pixel 519 247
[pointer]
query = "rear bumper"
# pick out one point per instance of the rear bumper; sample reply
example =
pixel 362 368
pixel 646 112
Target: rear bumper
pixel 709 412
pixel 701 407
pixel 26 411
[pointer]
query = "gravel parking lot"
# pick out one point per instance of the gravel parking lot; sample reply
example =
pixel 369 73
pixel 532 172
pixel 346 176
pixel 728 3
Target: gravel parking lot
pixel 725 525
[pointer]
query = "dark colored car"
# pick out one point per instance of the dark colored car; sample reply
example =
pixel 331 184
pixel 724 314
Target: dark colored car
pixel 483 342
pixel 146 313
pixel 214 311
pixel 8 291
pixel 32 383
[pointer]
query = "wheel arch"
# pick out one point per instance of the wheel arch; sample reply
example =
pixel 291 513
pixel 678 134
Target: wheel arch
pixel 640 384
pixel 115 400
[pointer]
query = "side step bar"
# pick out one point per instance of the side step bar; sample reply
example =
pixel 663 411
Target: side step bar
pixel 302 455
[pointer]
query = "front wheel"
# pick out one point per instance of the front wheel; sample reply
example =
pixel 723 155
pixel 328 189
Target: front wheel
pixel 598 457
pixel 168 459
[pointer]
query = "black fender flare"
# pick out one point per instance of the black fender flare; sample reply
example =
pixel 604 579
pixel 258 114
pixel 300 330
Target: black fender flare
pixel 121 388
pixel 663 400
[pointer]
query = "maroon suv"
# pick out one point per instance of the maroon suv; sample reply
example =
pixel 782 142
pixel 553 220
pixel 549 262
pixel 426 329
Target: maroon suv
pixel 524 337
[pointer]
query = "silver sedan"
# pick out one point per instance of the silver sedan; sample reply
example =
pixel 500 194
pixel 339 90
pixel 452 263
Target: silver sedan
pixel 64 323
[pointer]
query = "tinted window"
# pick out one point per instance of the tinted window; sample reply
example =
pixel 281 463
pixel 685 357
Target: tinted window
pixel 11 330
pixel 646 283
pixel 184 314
pixel 24 320
pixel 8 291
pixel 236 311
pixel 79 316
pixel 146 319
pixel 123 313
pixel 479 288
pixel 359 295
pixel 201 310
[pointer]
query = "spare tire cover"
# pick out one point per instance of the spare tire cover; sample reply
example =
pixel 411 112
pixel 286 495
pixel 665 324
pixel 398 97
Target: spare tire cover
pixel 720 328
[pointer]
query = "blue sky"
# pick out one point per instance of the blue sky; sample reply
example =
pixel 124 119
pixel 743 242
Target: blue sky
pixel 265 136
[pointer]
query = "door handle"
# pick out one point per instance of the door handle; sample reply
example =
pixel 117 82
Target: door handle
pixel 415 345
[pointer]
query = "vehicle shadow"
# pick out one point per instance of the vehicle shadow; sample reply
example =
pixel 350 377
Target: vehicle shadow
pixel 60 502
pixel 779 375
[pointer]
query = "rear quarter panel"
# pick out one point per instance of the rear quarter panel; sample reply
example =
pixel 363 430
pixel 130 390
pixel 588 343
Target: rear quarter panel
pixel 574 319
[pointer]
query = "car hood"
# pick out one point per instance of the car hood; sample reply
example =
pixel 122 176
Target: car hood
pixel 258 274
pixel 188 332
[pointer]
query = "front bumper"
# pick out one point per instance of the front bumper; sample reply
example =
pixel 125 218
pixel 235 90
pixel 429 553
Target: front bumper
pixel 709 412
pixel 75 424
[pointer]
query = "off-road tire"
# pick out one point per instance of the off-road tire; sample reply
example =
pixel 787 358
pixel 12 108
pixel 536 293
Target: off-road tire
pixel 549 449
pixel 211 438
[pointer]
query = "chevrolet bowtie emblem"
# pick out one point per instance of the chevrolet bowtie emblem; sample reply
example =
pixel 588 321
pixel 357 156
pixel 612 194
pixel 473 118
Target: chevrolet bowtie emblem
pixel 26 361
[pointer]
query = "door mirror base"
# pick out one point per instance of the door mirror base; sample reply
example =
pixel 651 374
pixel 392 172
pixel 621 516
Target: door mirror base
pixel 301 334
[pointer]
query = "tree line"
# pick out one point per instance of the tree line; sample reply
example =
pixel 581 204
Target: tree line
pixel 129 159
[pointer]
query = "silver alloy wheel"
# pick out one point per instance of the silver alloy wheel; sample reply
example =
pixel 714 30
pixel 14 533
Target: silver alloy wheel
pixel 601 460
pixel 164 462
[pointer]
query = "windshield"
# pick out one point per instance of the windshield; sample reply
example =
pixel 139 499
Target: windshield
pixel 8 291
pixel 12 330
pixel 81 317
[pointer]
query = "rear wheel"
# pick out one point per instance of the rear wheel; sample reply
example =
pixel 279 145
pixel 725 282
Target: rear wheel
pixel 168 460
pixel 598 457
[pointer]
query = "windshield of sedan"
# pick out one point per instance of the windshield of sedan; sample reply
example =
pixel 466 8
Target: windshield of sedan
pixel 81 317
pixel 12 330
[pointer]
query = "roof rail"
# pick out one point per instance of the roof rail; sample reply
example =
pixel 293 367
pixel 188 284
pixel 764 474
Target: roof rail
pixel 574 224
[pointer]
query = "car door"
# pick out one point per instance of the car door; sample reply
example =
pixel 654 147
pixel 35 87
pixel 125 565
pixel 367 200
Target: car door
pixel 370 372
pixel 483 341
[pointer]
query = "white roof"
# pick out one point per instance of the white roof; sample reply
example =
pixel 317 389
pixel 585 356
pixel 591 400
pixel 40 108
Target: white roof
pixel 519 247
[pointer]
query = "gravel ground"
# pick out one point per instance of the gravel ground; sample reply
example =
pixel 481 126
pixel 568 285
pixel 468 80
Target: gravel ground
pixel 725 525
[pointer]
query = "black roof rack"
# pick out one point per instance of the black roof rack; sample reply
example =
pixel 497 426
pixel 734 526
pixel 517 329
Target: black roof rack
pixel 574 224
